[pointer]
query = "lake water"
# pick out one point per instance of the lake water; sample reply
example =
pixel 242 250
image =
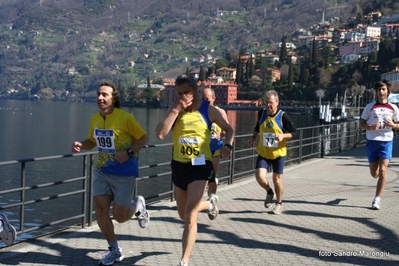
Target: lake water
pixel 45 128
pixel 32 129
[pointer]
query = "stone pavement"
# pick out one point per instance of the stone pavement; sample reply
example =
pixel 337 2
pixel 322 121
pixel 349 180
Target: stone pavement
pixel 327 221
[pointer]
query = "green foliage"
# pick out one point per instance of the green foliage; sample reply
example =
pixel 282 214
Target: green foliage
pixel 283 50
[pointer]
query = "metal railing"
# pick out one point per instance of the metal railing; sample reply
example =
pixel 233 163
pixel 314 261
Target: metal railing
pixel 39 204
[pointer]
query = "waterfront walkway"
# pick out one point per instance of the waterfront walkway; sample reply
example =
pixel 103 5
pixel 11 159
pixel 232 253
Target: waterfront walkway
pixel 327 221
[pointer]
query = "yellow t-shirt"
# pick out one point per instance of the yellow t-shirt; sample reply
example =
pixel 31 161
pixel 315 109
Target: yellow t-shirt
pixel 268 147
pixel 191 135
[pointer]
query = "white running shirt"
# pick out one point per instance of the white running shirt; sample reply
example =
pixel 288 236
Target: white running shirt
pixel 376 112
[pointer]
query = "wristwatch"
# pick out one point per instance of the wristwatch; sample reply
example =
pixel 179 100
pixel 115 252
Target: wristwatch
pixel 228 146
pixel 130 152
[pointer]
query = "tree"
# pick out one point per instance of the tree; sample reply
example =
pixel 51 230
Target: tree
pixel 221 63
pixel 283 50
pixel 148 82
pixel 251 69
pixel 304 76
pixel 324 77
pixel 327 55
pixel 384 54
pixel 202 74
pixel 290 74
pixel 373 57
pixel 396 51
pixel 315 51
pixel 239 73
pixel 359 18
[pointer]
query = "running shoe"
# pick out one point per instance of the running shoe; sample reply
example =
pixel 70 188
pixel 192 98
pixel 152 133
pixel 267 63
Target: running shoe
pixel 212 214
pixel 112 256
pixel 181 263
pixel 143 216
pixel 376 205
pixel 269 199
pixel 278 208
pixel 8 235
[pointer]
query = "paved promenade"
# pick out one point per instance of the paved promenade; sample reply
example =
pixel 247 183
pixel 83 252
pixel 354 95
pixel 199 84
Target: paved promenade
pixel 327 221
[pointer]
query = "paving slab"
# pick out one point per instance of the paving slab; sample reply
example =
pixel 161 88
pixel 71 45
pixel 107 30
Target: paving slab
pixel 327 220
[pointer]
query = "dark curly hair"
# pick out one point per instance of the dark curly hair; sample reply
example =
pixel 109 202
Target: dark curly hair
pixel 185 79
pixel 383 83
pixel 115 93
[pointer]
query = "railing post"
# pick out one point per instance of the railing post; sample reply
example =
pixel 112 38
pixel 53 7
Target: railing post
pixel 90 193
pixel 84 195
pixel 321 134
pixel 172 193
pixel 22 209
pixel 232 157
pixel 300 146
pixel 357 131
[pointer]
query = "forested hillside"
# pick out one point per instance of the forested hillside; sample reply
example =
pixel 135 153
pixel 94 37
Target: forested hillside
pixel 73 44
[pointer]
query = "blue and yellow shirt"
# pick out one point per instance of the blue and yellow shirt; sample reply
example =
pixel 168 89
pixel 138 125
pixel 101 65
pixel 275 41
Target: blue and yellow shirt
pixel 268 147
pixel 116 133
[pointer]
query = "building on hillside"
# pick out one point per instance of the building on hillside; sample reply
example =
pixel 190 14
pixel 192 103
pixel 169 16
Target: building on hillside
pixel 338 36
pixel 157 87
pixel 215 79
pixel 390 30
pixel 246 58
pixel 354 36
pixel 349 58
pixel 388 19
pixel 288 45
pixel 393 78
pixel 265 74
pixel 270 59
pixel 349 47
pixel 194 74
pixel 245 103
pixel 131 63
pixel 225 92
pixel 228 74
pixel 393 98
pixel 374 16
pixel 371 44
pixel 372 31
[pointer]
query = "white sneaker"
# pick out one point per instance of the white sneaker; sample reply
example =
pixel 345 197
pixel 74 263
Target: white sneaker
pixel 212 214
pixel 269 199
pixel 111 256
pixel 181 263
pixel 376 205
pixel 278 208
pixel 143 216
pixel 8 235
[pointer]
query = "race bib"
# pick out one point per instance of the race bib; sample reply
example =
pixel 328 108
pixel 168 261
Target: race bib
pixel 269 140
pixel 198 160
pixel 189 147
pixel 105 140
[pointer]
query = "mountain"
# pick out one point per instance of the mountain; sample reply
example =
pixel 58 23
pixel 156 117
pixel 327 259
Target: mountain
pixel 73 44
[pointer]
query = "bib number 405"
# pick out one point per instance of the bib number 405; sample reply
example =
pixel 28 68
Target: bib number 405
pixel 188 150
